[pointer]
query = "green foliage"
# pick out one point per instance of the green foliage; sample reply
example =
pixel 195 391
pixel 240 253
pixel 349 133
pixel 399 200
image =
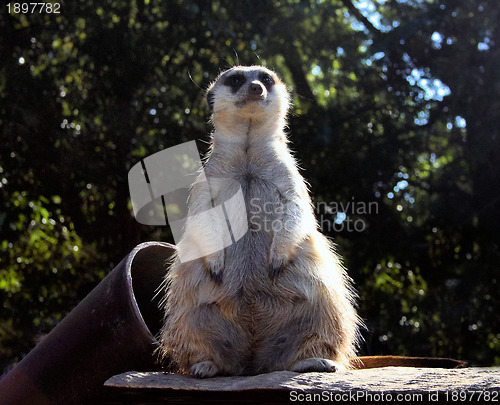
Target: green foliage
pixel 38 270
pixel 395 104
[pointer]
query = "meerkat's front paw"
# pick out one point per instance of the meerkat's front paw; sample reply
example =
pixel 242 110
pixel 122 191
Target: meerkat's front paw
pixel 204 369
pixel 316 364
pixel 277 262
pixel 214 264
pixel 276 266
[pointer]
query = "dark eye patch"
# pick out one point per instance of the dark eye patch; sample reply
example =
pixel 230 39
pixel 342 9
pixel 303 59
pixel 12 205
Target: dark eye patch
pixel 267 80
pixel 235 81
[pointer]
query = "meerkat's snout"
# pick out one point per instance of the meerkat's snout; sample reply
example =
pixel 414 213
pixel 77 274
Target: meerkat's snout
pixel 256 91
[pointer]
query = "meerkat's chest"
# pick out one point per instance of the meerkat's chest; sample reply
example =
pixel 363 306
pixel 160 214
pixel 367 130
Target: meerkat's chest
pixel 248 256
pixel 263 194
pixel 262 187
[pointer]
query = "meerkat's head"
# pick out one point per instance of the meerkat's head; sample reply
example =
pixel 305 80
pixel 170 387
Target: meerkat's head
pixel 246 94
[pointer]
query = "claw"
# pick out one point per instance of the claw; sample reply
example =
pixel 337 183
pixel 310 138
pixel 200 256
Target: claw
pixel 277 263
pixel 316 364
pixel 275 270
pixel 216 276
pixel 204 369
pixel 214 264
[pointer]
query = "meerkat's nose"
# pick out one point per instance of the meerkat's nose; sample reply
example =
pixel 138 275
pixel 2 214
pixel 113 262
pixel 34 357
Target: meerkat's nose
pixel 256 90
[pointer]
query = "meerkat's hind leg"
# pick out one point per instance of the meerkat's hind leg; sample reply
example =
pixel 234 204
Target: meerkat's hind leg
pixel 204 369
pixel 316 364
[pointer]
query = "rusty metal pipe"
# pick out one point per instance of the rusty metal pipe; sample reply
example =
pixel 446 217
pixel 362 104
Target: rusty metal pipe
pixel 111 331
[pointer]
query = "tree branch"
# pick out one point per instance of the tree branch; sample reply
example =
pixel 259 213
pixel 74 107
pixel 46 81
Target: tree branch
pixel 361 18
pixel 294 64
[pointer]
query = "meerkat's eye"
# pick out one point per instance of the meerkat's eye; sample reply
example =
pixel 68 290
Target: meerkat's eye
pixel 267 80
pixel 235 81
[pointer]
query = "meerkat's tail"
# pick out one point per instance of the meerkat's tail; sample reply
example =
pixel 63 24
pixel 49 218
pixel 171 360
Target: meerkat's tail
pixel 365 362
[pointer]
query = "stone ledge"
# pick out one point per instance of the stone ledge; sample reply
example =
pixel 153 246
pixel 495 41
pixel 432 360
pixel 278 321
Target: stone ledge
pixel 389 384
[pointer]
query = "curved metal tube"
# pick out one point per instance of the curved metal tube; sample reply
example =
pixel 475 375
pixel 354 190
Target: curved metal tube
pixel 111 331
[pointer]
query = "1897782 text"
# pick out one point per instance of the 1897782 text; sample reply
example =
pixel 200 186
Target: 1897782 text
pixel 31 8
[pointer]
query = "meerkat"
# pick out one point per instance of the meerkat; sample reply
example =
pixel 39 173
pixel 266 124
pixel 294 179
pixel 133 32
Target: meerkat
pixel 278 298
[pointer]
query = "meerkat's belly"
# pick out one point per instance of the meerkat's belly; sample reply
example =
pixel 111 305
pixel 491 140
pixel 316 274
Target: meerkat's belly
pixel 248 257
pixel 246 271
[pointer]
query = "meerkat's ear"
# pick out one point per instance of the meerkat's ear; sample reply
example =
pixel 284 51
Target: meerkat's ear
pixel 210 100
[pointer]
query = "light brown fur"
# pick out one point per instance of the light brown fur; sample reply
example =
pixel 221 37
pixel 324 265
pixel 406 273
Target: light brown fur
pixel 278 298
